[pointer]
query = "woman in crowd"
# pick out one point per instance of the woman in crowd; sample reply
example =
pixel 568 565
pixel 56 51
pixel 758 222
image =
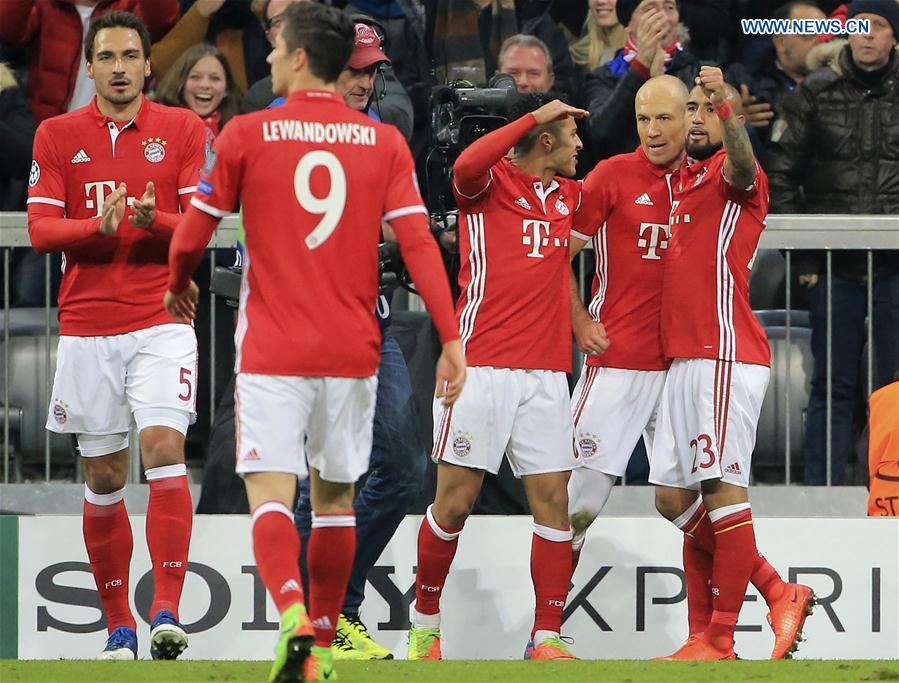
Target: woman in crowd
pixel 601 38
pixel 201 81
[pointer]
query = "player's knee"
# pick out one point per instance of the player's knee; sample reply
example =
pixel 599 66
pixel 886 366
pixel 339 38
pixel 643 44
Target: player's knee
pixel 453 510
pixel 667 506
pixel 104 475
pixel 581 519
pixel 164 448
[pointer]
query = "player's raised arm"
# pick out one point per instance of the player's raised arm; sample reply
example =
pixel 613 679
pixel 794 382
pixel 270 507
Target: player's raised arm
pixel 740 168
pixel 471 172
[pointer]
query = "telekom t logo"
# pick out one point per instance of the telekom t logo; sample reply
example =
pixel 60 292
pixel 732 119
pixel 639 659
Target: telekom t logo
pixel 535 234
pixel 96 194
pixel 658 236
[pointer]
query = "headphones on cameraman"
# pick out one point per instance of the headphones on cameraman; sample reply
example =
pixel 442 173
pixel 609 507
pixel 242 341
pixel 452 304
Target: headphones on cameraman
pixel 381 32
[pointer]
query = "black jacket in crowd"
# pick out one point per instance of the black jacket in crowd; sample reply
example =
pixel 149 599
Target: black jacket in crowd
pixel 839 154
pixel 16 136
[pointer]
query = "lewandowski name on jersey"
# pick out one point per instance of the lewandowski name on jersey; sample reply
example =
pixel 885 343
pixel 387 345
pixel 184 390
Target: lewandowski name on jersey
pixel 314 131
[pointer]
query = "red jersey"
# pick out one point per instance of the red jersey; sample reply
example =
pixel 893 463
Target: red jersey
pixel 315 179
pixel 627 202
pixel 111 284
pixel 514 310
pixel 705 290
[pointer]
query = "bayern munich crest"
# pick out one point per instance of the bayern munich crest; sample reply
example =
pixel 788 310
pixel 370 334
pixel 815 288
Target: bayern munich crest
pixel 154 149
pixel 561 208
pixel 60 414
pixel 462 445
pixel 587 445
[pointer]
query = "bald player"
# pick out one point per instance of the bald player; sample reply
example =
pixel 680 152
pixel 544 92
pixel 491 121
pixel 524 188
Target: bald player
pixel 715 385
pixel 627 200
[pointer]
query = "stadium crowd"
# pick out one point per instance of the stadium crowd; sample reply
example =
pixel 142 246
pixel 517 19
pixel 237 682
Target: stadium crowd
pixel 809 117
pixel 828 141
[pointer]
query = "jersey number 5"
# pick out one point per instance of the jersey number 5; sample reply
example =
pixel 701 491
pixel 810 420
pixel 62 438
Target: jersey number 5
pixel 331 206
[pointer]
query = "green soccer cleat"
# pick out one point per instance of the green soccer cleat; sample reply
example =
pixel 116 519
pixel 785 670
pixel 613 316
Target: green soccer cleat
pixel 352 641
pixel 294 648
pixel 320 665
pixel 424 643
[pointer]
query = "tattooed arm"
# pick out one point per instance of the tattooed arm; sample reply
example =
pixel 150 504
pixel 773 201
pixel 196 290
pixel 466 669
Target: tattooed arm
pixel 740 168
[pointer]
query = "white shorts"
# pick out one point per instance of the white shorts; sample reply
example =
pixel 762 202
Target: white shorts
pixel 611 408
pixel 520 413
pixel 281 421
pixel 707 423
pixel 101 381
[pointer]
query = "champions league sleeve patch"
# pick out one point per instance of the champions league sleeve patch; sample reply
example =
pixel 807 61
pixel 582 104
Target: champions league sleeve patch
pixel 35 174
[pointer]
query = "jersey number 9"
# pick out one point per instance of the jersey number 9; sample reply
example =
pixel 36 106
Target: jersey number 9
pixel 331 206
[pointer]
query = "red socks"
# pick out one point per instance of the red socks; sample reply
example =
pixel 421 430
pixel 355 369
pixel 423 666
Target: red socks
pixel 436 549
pixel 577 544
pixel 276 545
pixel 107 536
pixel 699 546
pixel 169 523
pixel 766 580
pixel 550 571
pixel 332 546
pixel 698 575
pixel 735 557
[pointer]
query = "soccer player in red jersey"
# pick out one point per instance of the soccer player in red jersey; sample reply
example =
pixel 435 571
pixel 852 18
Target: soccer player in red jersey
pixel 315 179
pixel 106 187
pixel 713 393
pixel 627 200
pixel 514 317
pixel 626 210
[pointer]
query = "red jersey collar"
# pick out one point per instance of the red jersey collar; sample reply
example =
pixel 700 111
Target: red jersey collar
pixel 658 171
pixel 315 95
pixel 102 119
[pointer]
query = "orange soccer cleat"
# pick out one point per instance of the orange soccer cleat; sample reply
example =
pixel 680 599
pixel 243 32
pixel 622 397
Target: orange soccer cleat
pixel 787 617
pixel 697 649
pixel 549 648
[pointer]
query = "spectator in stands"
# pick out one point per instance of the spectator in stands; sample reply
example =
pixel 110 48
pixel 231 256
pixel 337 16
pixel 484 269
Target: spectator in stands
pixel 16 137
pixel 838 154
pixel 389 100
pixel 602 37
pixel 527 60
pixel 229 25
pixel 201 80
pixel 655 45
pixel 781 69
pixel 55 30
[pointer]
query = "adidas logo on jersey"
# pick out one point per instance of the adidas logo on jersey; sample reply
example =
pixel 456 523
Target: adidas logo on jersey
pixel 733 468
pixel 523 203
pixel 643 200
pixel 252 455
pixel 81 157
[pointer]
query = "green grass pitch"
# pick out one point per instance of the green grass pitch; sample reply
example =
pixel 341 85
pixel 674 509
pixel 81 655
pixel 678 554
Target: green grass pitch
pixel 457 671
